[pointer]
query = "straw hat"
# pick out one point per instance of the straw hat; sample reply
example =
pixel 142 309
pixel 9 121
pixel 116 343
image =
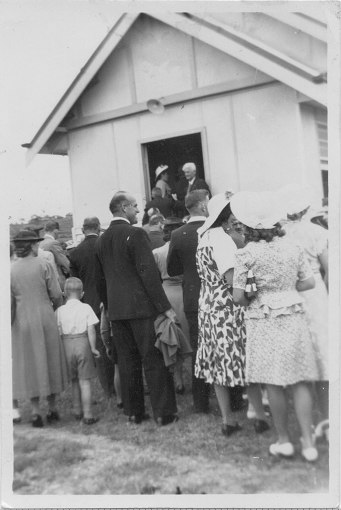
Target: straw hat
pixel 27 235
pixel 160 169
pixel 294 198
pixel 256 210
pixel 215 205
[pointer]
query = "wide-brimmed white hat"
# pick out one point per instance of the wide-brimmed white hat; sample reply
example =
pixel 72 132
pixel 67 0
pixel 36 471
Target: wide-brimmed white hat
pixel 256 210
pixel 215 205
pixel 160 169
pixel 295 198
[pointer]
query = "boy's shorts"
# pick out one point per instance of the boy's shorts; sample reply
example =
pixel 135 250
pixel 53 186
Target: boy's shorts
pixel 80 360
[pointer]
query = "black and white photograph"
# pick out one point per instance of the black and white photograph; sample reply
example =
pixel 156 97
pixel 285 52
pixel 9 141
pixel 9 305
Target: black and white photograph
pixel 170 244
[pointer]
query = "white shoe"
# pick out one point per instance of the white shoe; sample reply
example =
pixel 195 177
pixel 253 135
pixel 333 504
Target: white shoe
pixel 310 454
pixel 251 415
pixel 16 415
pixel 282 449
pixel 321 428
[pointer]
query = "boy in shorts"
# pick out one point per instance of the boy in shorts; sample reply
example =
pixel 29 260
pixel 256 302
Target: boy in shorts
pixel 76 323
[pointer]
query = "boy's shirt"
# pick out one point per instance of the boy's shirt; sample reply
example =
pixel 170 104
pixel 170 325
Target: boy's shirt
pixel 75 317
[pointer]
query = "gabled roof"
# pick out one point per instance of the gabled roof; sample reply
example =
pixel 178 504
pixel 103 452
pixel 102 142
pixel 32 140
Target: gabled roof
pixel 307 80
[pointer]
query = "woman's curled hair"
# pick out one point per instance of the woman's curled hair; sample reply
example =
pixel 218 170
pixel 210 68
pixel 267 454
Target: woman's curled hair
pixel 265 234
pixel 23 248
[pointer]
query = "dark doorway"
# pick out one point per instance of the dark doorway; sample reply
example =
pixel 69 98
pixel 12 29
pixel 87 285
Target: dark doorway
pixel 175 152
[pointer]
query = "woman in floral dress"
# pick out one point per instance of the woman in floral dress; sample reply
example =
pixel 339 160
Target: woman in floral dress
pixel 279 351
pixel 221 343
pixel 314 240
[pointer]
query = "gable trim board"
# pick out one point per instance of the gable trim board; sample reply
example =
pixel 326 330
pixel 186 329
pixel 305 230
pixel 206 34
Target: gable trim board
pixel 79 84
pixel 278 66
pixel 173 99
pixel 302 23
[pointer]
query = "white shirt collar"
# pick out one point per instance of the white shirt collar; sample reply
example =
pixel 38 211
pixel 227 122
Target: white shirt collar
pixel 92 234
pixel 196 218
pixel 49 235
pixel 191 181
pixel 116 218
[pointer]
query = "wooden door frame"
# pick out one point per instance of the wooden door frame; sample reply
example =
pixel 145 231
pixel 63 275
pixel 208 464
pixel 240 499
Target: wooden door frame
pixel 144 153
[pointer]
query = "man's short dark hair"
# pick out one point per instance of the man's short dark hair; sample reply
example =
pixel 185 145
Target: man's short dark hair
pixel 51 225
pixel 117 200
pixel 91 223
pixel 157 191
pixel 156 219
pixel 193 198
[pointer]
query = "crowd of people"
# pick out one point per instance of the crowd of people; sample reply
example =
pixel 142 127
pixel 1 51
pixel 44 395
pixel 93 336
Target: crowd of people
pixel 238 282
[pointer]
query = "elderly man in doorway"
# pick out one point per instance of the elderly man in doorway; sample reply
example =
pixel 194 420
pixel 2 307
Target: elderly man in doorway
pixel 130 287
pixel 190 182
pixel 82 266
pixel 50 243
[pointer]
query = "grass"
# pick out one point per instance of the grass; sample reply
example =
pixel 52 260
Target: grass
pixel 114 457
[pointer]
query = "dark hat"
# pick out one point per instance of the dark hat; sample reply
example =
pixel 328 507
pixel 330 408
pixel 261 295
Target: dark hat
pixel 35 228
pixel 27 235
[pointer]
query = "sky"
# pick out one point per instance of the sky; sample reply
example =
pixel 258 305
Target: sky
pixel 43 45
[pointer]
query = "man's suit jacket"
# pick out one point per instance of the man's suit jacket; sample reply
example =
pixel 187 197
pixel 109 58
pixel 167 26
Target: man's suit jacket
pixel 83 266
pixel 61 260
pixel 181 188
pixel 165 206
pixel 128 280
pixel 182 260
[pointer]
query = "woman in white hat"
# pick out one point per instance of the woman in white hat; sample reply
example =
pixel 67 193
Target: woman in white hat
pixel 279 351
pixel 161 180
pixel 221 344
pixel 314 240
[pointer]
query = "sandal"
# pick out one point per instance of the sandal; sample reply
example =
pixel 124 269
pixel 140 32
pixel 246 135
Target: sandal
pixel 228 430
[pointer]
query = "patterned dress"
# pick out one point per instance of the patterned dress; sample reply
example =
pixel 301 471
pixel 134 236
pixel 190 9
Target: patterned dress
pixel 314 240
pixel 279 349
pixel 221 344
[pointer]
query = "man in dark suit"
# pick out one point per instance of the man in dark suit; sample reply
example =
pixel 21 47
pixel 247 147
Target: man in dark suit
pixel 164 205
pixel 130 287
pixel 189 182
pixel 83 266
pixel 182 260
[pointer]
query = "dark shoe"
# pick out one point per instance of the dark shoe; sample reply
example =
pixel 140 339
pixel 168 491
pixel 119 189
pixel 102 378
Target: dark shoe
pixel 166 420
pixel 203 410
pixel 180 390
pixel 37 421
pixel 16 420
pixel 261 426
pixel 228 430
pixel 139 418
pixel 52 416
pixel 120 405
pixel 90 421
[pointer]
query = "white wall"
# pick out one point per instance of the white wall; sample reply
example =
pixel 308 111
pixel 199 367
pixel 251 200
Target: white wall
pixel 93 172
pixel 254 139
